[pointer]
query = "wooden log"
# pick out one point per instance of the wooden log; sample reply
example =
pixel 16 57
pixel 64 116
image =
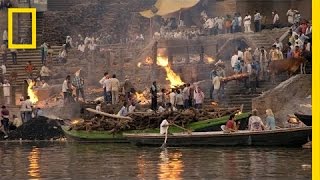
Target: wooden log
pixel 107 114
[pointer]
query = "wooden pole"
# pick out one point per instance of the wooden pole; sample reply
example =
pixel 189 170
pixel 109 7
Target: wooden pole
pixel 107 114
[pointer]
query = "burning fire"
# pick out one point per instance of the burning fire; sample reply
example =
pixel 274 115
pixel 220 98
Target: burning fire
pixel 140 97
pixel 174 79
pixel 31 93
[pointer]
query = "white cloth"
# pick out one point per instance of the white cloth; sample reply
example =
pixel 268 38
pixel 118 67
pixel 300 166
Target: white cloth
pixel 27 105
pixel 186 93
pixel 172 97
pixel 6 89
pixel 257 17
pixel 115 84
pixel 65 86
pixel 240 54
pixel 106 83
pixel 216 82
pixel 275 18
pixel 132 109
pixel 98 107
pixel 4 69
pixel 5 35
pixel 164 127
pixel 81 47
pixel 123 111
pixel 247 20
pixel 290 14
pixel 234 59
pixel 240 20
pixel 198 96
pixel 179 99
pixel 44 71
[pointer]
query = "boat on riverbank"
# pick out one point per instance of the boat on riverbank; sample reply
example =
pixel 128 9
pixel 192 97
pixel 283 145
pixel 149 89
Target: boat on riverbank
pixel 306 119
pixel 286 137
pixel 108 137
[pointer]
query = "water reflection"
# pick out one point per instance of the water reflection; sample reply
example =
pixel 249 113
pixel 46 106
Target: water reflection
pixel 170 165
pixel 34 166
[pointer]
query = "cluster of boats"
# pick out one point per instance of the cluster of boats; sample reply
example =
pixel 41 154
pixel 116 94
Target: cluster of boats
pixel 210 135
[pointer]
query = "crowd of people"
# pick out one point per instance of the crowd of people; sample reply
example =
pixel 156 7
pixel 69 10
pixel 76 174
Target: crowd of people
pixel 256 124
pixel 176 29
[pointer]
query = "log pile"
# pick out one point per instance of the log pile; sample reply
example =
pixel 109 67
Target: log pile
pixel 148 120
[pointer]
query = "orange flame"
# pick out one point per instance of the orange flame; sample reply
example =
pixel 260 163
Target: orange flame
pixel 31 93
pixel 174 79
pixel 140 97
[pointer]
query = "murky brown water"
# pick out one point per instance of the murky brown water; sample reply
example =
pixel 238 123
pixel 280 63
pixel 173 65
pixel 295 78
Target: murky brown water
pixel 107 161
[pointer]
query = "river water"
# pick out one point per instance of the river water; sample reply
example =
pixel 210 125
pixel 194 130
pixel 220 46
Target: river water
pixel 124 161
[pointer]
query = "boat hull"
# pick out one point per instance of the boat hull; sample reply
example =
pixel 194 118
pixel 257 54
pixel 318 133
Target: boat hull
pixel 92 136
pixel 306 119
pixel 294 137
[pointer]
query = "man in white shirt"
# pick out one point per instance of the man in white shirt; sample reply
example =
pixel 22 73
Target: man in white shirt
pixel 28 109
pixel 290 14
pixel 172 97
pixel 186 95
pixel 5 37
pixel 247 23
pixel 216 82
pixel 164 127
pixel 234 59
pixel 66 89
pixel 115 87
pixel 240 54
pixel 278 44
pixel 275 20
pixel 239 22
pixel 44 73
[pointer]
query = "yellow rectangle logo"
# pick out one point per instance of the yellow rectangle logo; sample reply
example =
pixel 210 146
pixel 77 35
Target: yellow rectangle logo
pixel 33 12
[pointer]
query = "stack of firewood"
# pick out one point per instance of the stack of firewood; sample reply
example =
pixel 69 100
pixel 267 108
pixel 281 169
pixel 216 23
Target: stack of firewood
pixel 146 120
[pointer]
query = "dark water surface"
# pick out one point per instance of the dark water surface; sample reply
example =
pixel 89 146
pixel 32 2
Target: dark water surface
pixel 124 161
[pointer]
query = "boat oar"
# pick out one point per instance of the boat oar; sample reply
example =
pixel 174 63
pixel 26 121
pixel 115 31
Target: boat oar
pixel 164 144
pixel 188 130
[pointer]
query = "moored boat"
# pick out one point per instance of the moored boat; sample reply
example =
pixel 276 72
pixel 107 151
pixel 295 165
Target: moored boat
pixel 92 136
pixel 306 119
pixel 107 137
pixel 287 137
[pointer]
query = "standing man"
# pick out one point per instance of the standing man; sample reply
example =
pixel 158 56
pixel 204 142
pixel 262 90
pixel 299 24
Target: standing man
pixel 27 109
pixel 127 87
pixel 186 94
pixel 102 82
pixel 115 86
pixel 67 90
pixel 257 21
pixel 44 52
pixel 14 55
pixel 234 59
pixel 153 91
pixel 78 83
pixel 5 37
pixel 5 120
pixel 290 14
pixel 276 19
pixel 216 88
pixel 29 68
pixel 44 73
pixel 247 56
pixel 3 51
pixel 6 92
pixel 247 23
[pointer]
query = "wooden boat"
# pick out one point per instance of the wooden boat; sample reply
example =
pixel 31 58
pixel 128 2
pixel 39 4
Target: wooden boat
pixel 92 136
pixel 287 137
pixel 306 119
pixel 107 137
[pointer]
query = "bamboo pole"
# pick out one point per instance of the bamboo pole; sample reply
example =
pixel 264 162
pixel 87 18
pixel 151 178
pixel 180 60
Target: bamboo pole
pixel 107 114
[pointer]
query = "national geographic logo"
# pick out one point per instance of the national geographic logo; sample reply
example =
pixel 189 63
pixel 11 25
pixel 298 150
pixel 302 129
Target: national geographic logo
pixel 33 13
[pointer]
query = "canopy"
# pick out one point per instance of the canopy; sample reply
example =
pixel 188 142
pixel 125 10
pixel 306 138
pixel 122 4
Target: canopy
pixel 164 7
